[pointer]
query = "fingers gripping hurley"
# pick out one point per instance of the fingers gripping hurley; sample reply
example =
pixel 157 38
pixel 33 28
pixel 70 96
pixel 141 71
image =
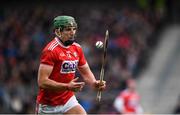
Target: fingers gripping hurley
pixel 103 63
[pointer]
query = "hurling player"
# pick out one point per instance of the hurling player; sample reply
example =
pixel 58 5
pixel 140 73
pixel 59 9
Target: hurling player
pixel 59 61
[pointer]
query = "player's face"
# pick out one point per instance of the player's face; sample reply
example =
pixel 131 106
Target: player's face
pixel 68 33
pixel 132 85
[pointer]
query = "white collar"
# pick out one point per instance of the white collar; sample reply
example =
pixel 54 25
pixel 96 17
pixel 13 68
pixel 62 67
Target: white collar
pixel 59 42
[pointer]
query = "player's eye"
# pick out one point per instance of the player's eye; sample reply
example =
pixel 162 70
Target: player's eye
pixel 70 29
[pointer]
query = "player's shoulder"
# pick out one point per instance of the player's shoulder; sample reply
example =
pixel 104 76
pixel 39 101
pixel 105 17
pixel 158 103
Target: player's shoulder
pixel 76 44
pixel 51 45
pixel 125 92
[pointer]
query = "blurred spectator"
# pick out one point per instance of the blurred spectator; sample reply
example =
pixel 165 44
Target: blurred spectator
pixel 128 101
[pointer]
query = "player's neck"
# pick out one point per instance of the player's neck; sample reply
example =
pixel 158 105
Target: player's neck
pixel 65 43
pixel 60 39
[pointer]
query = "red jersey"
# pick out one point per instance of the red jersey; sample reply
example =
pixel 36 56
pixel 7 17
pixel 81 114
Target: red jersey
pixel 65 61
pixel 128 102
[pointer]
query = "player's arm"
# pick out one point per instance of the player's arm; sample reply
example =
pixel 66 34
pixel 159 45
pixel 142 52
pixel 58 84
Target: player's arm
pixel 89 78
pixel 46 83
pixel 119 104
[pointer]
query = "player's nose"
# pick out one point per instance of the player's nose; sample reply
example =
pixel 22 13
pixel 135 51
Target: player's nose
pixel 72 32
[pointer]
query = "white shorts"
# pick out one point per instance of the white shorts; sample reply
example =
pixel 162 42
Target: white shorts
pixel 72 102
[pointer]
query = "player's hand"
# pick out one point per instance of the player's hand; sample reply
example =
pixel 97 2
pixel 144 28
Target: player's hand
pixel 100 85
pixel 75 86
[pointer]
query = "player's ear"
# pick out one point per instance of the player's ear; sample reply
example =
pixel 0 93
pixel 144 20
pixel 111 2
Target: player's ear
pixel 58 32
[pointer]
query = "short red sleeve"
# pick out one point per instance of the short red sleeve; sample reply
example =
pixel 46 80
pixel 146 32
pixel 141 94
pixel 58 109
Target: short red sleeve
pixel 82 59
pixel 47 57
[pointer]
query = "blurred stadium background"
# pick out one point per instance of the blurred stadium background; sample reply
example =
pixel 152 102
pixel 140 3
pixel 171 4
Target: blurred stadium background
pixel 144 45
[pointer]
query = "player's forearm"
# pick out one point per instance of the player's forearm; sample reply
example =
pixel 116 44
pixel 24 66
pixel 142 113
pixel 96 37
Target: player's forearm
pixel 87 75
pixel 89 78
pixel 46 83
pixel 49 84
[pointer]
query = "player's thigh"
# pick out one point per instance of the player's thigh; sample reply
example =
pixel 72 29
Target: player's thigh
pixel 78 109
